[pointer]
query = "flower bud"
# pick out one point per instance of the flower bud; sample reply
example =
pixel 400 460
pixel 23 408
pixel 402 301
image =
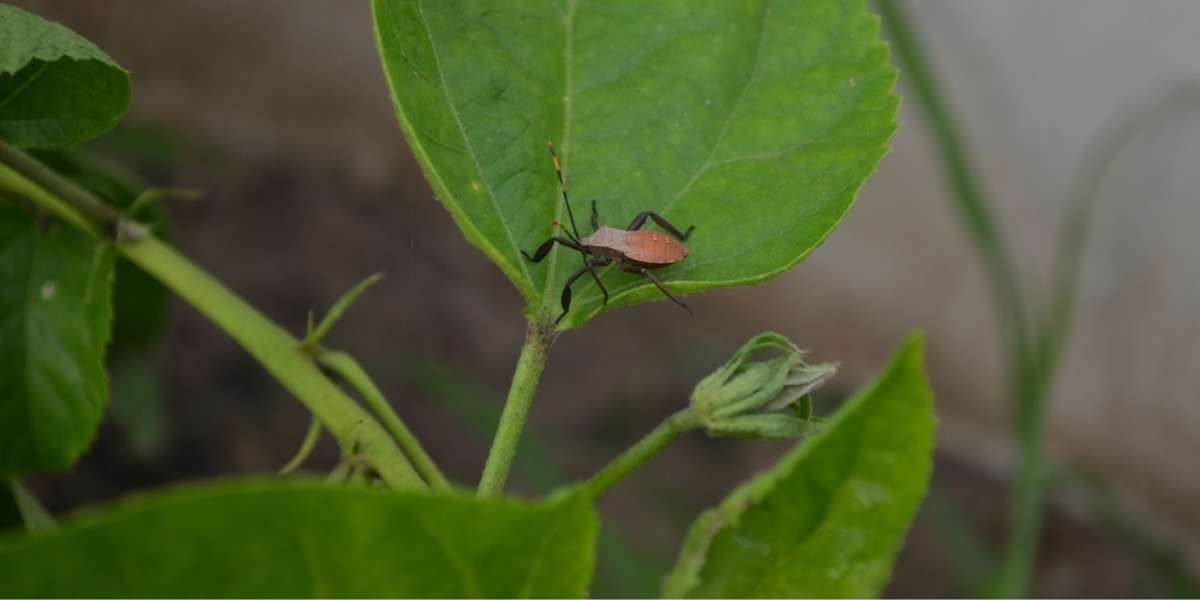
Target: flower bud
pixel 748 398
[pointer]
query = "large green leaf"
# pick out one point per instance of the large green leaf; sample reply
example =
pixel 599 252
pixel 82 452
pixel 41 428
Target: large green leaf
pixel 757 122
pixel 829 518
pixel 274 539
pixel 55 316
pixel 56 88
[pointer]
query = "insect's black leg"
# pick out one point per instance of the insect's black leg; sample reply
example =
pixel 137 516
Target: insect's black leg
pixel 595 217
pixel 544 249
pixel 640 220
pixel 588 267
pixel 628 268
pixel 599 262
pixel 566 293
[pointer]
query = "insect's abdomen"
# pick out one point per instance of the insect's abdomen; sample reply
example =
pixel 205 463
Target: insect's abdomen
pixel 653 249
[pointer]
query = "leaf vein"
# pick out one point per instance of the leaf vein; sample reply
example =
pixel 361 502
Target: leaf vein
pixel 704 167
pixel 468 576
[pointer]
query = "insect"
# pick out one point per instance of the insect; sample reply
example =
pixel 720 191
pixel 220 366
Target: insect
pixel 632 250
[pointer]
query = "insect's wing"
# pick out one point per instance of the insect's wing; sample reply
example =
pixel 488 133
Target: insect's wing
pixel 651 248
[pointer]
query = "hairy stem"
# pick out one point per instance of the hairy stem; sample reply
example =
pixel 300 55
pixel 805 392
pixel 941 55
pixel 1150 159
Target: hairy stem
pixel 629 460
pixel 273 347
pixel 516 408
pixel 356 377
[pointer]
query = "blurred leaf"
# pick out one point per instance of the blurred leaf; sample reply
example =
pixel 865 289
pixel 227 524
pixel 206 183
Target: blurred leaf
pixel 755 121
pixel 293 539
pixel 55 314
pixel 137 405
pixel 20 508
pixel 140 302
pixel 56 88
pixel 829 518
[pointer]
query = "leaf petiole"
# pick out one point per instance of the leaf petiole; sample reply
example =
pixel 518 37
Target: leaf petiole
pixel 668 431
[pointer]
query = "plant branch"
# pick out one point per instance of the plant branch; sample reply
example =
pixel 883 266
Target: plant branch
pixel 97 213
pixel 667 431
pixel 348 369
pixel 516 408
pixel 1176 98
pixel 277 350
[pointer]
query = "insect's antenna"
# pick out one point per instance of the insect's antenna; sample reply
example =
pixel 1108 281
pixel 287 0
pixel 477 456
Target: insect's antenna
pixel 566 231
pixel 562 185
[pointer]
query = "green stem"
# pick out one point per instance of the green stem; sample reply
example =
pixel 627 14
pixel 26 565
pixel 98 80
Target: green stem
pixel 95 211
pixel 1027 382
pixel 356 377
pixel 629 460
pixel 1025 509
pixel 516 408
pixel 271 345
pixel 306 447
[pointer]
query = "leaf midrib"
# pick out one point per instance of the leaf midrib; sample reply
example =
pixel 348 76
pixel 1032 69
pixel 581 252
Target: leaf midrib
pixel 24 84
pixel 568 101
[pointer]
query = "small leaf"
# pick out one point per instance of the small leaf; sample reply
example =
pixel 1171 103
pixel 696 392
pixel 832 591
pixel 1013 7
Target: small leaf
pixel 56 88
pixel 55 316
pixel 271 539
pixel 757 122
pixel 313 336
pixel 828 520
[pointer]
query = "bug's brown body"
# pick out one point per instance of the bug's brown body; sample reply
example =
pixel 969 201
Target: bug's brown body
pixel 632 251
pixel 648 249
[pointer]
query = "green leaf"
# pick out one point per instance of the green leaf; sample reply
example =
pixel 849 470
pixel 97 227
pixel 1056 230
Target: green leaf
pixel 829 518
pixel 56 88
pixel 140 302
pixel 300 539
pixel 757 122
pixel 55 314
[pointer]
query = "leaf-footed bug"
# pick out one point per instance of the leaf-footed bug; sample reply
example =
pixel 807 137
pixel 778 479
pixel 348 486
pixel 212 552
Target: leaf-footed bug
pixel 632 250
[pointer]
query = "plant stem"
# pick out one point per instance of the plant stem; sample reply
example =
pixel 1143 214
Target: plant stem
pixel 96 211
pixel 1027 381
pixel 520 395
pixel 1025 510
pixel 666 432
pixel 271 345
pixel 353 374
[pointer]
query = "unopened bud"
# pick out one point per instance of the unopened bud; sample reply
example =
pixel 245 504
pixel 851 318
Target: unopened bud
pixel 761 399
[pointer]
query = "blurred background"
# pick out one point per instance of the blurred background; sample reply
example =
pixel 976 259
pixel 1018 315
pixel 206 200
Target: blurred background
pixel 279 111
